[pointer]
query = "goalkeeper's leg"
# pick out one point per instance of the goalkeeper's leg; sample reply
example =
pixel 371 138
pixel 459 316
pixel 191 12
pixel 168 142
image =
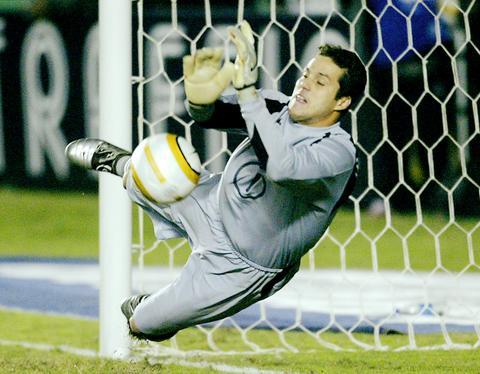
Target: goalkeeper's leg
pixel 128 307
pixel 213 285
pixel 99 155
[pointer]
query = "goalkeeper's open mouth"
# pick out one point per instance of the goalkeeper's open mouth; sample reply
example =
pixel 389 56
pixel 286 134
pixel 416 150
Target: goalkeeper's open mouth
pixel 299 99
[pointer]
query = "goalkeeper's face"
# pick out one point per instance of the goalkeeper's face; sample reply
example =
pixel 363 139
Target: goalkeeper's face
pixel 314 101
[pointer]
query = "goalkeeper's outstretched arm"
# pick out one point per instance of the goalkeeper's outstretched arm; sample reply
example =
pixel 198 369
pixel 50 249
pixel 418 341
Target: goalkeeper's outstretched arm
pixel 205 80
pixel 220 116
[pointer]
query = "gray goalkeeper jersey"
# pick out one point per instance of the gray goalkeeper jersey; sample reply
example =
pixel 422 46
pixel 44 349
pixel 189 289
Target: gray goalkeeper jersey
pixel 281 186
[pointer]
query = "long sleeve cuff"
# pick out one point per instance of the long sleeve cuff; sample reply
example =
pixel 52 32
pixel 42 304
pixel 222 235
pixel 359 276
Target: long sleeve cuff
pixel 200 113
pixel 247 94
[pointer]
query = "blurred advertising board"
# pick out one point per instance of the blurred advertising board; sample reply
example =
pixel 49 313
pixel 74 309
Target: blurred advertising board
pixel 49 80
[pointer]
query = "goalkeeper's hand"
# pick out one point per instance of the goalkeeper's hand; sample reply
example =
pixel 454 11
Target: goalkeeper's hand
pixel 246 71
pixel 204 79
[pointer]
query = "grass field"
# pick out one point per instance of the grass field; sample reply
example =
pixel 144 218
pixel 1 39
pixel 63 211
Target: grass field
pixel 53 224
pixel 66 225
pixel 59 332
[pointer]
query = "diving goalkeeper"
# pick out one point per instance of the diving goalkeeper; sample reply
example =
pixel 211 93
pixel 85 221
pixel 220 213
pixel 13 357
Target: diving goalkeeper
pixel 250 225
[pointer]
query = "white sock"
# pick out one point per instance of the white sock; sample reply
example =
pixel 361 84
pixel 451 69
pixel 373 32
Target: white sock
pixel 120 165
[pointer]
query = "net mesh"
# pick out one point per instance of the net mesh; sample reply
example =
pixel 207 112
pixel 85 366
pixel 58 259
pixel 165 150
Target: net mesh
pixel 403 255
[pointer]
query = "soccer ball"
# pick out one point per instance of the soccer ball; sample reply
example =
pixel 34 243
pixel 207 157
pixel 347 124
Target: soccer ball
pixel 165 168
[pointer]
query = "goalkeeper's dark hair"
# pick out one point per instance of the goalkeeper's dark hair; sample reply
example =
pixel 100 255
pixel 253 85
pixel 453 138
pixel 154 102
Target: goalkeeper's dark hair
pixel 353 81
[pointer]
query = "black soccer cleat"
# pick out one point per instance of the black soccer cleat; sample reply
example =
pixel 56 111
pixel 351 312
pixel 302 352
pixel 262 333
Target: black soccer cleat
pixel 95 154
pixel 129 304
pixel 128 308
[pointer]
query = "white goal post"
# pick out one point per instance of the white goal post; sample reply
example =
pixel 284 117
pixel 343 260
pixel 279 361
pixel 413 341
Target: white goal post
pixel 115 67
pixel 377 269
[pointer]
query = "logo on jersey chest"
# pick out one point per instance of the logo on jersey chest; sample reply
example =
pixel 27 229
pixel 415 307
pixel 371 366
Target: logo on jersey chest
pixel 249 182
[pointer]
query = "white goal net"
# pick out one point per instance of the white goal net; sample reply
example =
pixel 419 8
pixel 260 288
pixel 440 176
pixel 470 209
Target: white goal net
pixel 403 255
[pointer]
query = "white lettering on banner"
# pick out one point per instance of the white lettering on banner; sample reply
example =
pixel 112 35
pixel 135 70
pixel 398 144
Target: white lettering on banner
pixel 90 83
pixel 45 85
pixel 3 45
pixel 164 96
pixel 3 38
pixel 44 111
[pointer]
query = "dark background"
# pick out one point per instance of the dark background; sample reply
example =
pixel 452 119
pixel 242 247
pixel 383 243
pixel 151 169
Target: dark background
pixel 75 18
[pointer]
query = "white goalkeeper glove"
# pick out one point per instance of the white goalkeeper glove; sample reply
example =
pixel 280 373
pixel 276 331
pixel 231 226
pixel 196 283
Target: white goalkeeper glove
pixel 246 71
pixel 204 80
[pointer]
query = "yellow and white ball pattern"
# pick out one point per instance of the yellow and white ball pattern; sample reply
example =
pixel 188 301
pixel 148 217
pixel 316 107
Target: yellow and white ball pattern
pixel 165 168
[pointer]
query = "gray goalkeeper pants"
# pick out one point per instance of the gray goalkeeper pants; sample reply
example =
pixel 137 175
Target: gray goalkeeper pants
pixel 216 281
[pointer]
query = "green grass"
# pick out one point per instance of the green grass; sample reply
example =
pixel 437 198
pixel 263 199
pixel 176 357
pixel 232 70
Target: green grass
pixel 41 223
pixel 66 225
pixel 313 358
pixel 15 359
